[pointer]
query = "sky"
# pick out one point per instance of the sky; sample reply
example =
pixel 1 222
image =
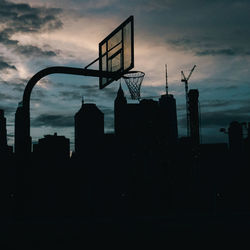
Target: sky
pixel 214 35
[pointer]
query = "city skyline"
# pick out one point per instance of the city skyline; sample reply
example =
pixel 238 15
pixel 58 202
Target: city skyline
pixel 46 33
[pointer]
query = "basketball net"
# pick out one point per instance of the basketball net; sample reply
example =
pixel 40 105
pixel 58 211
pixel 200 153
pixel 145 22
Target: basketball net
pixel 133 80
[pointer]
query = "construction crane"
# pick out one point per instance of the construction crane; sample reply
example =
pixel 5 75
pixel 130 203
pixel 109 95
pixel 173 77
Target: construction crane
pixel 185 80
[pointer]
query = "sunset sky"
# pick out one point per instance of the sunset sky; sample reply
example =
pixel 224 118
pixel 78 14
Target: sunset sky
pixel 212 34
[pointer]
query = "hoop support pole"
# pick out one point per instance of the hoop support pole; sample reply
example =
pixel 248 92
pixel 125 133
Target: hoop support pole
pixel 48 71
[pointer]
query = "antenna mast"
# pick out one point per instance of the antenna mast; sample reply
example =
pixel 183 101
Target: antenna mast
pixel 166 70
pixel 185 80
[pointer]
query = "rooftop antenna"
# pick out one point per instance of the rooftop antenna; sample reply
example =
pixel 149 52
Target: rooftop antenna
pixel 185 80
pixel 166 70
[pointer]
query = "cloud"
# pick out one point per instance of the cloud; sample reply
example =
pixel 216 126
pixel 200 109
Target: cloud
pixel 22 18
pixel 193 29
pixel 72 95
pixel 4 65
pixel 53 120
pixel 205 46
pixel 222 118
pixel 224 103
pixel 31 50
pixel 18 85
pixel 7 108
pixel 226 52
pixel 5 97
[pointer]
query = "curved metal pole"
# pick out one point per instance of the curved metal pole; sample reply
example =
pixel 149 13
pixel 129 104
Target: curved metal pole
pixel 59 70
pixel 54 70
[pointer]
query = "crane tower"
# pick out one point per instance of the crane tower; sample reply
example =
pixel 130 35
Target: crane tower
pixel 185 80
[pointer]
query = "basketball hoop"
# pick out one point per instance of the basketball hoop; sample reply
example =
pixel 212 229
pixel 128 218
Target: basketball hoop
pixel 134 79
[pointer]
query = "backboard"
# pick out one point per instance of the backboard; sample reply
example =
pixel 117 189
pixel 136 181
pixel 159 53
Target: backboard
pixel 116 52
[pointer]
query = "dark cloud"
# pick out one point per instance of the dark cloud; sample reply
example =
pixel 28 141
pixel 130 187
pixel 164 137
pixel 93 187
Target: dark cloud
pixel 221 118
pixel 216 28
pixel 72 95
pixel 204 46
pixel 53 120
pixel 223 103
pixel 229 87
pixel 27 50
pixel 4 65
pixel 30 50
pixel 4 96
pixel 26 19
pixel 38 94
pixel 110 92
pixel 226 52
pixel 7 108
pixel 86 91
pixel 18 86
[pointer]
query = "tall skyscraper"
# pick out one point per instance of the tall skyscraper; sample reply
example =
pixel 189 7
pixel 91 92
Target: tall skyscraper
pixel 168 118
pixel 22 137
pixel 193 98
pixel 89 128
pixel 3 132
pixel 120 110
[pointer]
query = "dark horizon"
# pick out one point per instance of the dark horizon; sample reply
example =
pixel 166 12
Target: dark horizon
pixel 38 34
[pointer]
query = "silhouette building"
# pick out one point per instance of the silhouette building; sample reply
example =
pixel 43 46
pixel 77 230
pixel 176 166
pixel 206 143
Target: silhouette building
pixel 89 128
pixel 3 132
pixel 135 121
pixel 53 147
pixel 168 118
pixel 120 112
pixel 147 119
pixel 193 98
pixel 22 137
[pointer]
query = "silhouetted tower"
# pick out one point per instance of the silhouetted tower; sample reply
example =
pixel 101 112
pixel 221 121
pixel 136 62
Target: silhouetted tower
pixel 3 132
pixel 120 111
pixel 168 118
pixel 193 103
pixel 89 128
pixel 22 137
pixel 185 80
pixel 235 136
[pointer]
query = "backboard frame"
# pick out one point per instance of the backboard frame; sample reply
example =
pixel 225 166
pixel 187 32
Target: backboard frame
pixel 119 73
